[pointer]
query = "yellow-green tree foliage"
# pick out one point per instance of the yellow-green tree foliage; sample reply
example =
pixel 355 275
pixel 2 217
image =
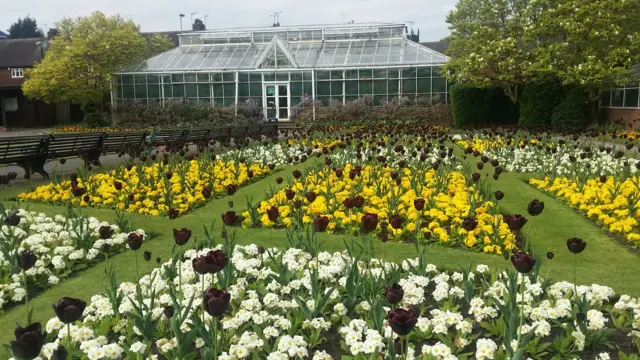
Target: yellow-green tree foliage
pixel 82 58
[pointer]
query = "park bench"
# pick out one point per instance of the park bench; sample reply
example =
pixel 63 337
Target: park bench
pixel 131 142
pixel 196 136
pixel 27 152
pixel 87 146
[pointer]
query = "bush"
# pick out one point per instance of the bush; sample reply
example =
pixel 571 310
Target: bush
pixel 572 113
pixel 177 113
pixel 502 111
pixel 96 120
pixel 537 103
pixel 469 106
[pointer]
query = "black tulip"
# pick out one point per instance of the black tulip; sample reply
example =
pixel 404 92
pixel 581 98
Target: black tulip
pixel 60 353
pixel 29 341
pixel 576 245
pixel 69 310
pixel 26 260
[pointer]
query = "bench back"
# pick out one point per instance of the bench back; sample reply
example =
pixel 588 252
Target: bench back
pixel 76 144
pixel 123 141
pixel 22 148
pixel 197 135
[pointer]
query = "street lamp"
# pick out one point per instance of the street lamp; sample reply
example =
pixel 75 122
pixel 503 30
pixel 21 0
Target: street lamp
pixel 181 16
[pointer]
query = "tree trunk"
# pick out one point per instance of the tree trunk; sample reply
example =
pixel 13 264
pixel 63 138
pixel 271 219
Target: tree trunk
pixel 511 90
pixel 594 99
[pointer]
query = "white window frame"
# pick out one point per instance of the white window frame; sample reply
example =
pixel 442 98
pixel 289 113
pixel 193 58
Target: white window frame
pixel 17 73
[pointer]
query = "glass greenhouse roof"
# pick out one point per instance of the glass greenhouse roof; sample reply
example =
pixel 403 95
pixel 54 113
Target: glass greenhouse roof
pixel 309 47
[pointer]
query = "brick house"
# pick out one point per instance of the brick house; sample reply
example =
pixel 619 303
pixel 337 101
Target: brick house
pixel 16 110
pixel 623 104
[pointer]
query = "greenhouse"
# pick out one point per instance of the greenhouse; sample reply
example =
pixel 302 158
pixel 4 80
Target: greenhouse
pixel 279 66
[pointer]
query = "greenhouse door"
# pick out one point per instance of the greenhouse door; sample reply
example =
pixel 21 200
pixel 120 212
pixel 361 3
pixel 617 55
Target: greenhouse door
pixel 276 100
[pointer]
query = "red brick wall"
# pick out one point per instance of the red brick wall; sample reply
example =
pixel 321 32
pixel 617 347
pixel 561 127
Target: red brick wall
pixel 629 117
pixel 7 81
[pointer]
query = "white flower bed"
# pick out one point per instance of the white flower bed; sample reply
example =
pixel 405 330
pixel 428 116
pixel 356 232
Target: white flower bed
pixel 53 240
pixel 277 154
pixel 266 321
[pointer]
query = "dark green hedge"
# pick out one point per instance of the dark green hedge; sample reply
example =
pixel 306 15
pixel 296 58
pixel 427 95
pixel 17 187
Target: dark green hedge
pixel 502 110
pixel 469 106
pixel 572 113
pixel 537 104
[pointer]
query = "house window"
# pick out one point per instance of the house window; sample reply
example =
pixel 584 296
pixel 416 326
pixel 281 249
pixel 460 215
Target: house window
pixel 17 73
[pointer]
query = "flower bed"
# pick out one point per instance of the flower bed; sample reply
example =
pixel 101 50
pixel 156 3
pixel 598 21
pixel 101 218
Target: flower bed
pixel 46 249
pixel 414 203
pixel 157 189
pixel 286 151
pixel 267 304
pixel 611 202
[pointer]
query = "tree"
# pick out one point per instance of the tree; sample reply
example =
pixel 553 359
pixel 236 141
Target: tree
pixel 489 45
pixel 413 36
pixel 198 25
pixel 87 51
pixel 26 27
pixel 157 43
pixel 589 43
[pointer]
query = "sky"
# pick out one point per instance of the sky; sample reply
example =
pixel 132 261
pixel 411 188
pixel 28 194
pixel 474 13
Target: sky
pixel 163 15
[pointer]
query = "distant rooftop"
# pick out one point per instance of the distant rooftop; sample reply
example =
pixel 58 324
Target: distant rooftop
pixel 290 47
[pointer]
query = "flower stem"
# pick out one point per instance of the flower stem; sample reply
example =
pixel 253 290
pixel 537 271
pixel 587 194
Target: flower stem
pixel 203 309
pixel 575 265
pixel 180 275
pixel 69 337
pixel 137 268
pixel 26 295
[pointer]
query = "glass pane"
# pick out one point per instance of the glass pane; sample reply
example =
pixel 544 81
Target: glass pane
pixel 351 98
pixel 617 98
pixel 324 99
pixel 380 87
pixel 166 79
pixel 379 99
pixel 351 74
pixel 127 79
pixel 128 92
pixel 308 88
pixel 269 77
pixel 605 98
pixel 392 87
pixel 228 101
pixel 282 90
pixel 141 91
pixel 336 74
pixel 283 102
pixel 307 76
pixel 271 113
pixel 229 90
pixel 424 86
pixel 283 113
pixel 424 72
pixel 255 77
pixel 365 87
pixel 323 88
pixel 178 90
pixel 271 90
pixel 408 86
pixel 296 88
pixel 243 77
pixel 282 76
pixel 351 88
pixel 380 73
pixel 323 75
pixel 437 72
pixel 203 77
pixel 439 85
pixel 190 77
pixel 408 73
pixel 228 76
pixel 631 98
pixel 140 79
pixel 177 78
pixel 204 90
pixel 153 79
pixel 217 77
pixel 218 102
pixel 296 76
pixel 218 90
pixel 393 73
pixel 243 90
pixel 153 91
pixel 191 90
pixel 366 74
pixel 168 93
pixel 255 90
pixel 336 88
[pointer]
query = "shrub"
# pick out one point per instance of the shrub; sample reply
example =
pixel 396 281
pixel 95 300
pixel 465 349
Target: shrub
pixel 572 113
pixel 469 106
pixel 250 112
pixel 96 120
pixel 537 103
pixel 501 110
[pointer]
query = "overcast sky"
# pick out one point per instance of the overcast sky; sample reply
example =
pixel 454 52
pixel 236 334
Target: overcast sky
pixel 158 15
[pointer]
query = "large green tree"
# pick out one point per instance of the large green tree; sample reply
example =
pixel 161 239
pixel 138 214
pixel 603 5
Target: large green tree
pixel 23 28
pixel 87 51
pixel 590 43
pixel 489 43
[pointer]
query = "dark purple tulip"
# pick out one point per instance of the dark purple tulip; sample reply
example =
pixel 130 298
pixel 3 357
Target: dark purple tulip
pixel 181 236
pixel 297 174
pixel 311 197
pixel 173 213
pixel 146 255
pixel 216 302
pixel 550 255
pixel 396 221
pixel 134 240
pixel 26 260
pixel 29 341
pixel 535 207
pixel 231 189
pixel 168 312
pixel 289 194
pixel 320 223
pixel 117 185
pixel 469 223
pixel 402 321
pixel 499 195
pixel 515 221
pixel 12 219
pixel 576 245
pixel 419 204
pixel 230 218
pixel 206 193
pixel 60 353
pixel 523 262
pixel 394 293
pixel 279 180
pixel 358 201
pixel 78 191
pixel 211 263
pixel 369 223
pixel 69 310
pixel 273 213
pixel 475 177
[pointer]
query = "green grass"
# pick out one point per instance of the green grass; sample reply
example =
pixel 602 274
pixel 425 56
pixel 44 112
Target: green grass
pixel 604 262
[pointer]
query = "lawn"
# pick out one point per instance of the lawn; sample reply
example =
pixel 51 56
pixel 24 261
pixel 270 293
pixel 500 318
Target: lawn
pixel 605 261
